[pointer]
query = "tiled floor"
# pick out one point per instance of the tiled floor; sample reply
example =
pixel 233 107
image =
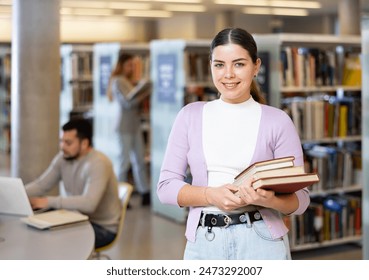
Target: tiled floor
pixel 149 236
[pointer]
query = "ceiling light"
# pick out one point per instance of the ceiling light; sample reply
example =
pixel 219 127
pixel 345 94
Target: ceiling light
pixel 129 6
pixel 296 4
pixel 276 11
pixel 93 12
pixel 83 4
pixel 113 18
pixel 86 12
pixel 185 8
pixel 150 13
pixel 66 11
pixel 272 3
pixel 179 1
pixel 6 2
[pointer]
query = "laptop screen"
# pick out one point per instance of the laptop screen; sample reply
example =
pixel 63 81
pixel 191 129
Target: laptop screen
pixel 13 197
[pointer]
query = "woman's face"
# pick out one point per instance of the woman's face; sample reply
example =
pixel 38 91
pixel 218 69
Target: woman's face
pixel 232 71
pixel 128 68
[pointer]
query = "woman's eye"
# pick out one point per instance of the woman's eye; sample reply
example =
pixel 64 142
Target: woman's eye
pixel 239 64
pixel 218 65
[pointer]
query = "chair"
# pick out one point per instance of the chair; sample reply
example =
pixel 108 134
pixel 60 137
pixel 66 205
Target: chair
pixel 125 191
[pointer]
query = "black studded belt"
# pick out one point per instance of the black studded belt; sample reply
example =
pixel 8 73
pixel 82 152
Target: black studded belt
pixel 222 220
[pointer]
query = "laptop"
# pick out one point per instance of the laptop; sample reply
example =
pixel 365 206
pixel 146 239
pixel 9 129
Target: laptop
pixel 14 201
pixel 13 197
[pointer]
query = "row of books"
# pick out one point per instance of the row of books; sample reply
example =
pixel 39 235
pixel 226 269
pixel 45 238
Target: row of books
pixel 325 116
pixel 5 138
pixel 197 67
pixel 5 95
pixel 82 95
pixel 5 88
pixel 4 111
pixel 327 218
pixel 5 65
pixel 337 166
pixel 82 65
pixel 301 67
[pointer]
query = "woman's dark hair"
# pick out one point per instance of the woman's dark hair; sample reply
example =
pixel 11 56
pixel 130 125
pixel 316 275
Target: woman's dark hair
pixel 244 39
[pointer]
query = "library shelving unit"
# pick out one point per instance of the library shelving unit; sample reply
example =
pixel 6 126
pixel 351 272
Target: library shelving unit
pixel 105 56
pixel 180 74
pixel 365 116
pixel 5 97
pixel 76 98
pixel 316 79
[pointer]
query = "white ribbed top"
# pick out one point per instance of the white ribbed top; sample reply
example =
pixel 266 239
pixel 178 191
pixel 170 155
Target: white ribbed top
pixel 229 138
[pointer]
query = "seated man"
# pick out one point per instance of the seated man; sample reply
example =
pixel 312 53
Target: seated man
pixel 89 184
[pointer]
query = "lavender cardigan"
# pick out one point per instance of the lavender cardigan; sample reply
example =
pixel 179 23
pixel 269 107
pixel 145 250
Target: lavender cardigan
pixel 277 138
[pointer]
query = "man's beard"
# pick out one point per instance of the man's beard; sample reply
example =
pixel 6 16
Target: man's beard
pixel 70 158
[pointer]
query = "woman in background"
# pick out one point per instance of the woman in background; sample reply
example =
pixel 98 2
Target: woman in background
pixel 122 89
pixel 217 140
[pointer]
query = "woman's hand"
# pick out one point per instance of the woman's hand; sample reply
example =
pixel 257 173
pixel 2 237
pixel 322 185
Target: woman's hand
pixel 258 197
pixel 224 197
pixel 286 203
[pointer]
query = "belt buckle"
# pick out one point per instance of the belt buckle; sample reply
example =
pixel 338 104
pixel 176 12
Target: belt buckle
pixel 227 221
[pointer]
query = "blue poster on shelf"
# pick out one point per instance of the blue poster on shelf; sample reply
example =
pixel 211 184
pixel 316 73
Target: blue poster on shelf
pixel 167 77
pixel 105 71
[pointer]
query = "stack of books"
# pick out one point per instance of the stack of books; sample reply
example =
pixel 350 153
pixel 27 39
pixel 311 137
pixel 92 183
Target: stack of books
pixel 279 175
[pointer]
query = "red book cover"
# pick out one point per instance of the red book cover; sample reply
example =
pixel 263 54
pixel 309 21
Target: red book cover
pixel 286 184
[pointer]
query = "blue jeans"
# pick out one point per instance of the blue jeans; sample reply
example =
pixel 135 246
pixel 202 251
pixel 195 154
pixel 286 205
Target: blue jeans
pixel 237 242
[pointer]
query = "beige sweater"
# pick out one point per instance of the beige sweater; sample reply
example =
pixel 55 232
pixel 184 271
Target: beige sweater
pixel 87 184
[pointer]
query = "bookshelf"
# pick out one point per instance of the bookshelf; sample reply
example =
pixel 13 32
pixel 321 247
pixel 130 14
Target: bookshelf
pixel 180 75
pixel 105 56
pixel 5 97
pixel 76 96
pixel 317 80
pixel 365 120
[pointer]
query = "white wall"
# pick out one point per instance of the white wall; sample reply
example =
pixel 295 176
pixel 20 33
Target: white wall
pixel 317 24
pixel 180 27
pixel 199 26
pixel 205 26
pixel 253 23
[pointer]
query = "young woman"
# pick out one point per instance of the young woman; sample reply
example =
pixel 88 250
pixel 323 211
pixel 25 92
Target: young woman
pixel 217 140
